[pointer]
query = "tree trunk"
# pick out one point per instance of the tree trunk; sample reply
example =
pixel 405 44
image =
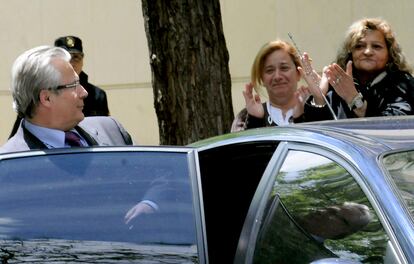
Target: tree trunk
pixel 190 73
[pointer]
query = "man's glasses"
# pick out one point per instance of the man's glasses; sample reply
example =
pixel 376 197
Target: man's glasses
pixel 70 85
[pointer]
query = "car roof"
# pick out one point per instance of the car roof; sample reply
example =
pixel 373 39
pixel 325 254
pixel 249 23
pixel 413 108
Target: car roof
pixel 381 133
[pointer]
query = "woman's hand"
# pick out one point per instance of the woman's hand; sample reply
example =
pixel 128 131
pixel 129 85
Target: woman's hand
pixel 302 94
pixel 253 104
pixel 317 85
pixel 341 81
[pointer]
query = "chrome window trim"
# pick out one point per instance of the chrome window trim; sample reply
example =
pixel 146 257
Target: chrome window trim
pixel 195 177
pixel 407 225
pixel 93 149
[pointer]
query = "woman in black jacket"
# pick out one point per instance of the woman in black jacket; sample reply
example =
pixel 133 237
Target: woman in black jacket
pixel 369 78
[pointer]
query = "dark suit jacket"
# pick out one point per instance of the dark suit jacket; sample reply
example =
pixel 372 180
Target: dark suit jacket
pixel 96 103
pixel 97 131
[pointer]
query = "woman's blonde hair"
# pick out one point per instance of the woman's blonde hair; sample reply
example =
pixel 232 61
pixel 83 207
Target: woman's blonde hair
pixel 358 29
pixel 267 49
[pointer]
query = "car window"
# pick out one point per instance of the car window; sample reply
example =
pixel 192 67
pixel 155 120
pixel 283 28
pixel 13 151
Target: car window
pixel 80 201
pixel 400 165
pixel 230 175
pixel 317 210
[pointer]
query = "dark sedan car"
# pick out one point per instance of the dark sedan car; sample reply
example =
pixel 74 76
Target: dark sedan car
pixel 319 192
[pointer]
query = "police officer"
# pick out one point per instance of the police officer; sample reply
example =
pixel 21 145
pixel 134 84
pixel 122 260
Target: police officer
pixel 96 103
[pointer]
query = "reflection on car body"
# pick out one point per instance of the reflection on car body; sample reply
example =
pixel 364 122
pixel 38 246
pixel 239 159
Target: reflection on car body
pixel 78 251
pixel 309 193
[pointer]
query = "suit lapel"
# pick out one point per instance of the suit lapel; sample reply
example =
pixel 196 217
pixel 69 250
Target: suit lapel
pixel 32 141
pixel 91 141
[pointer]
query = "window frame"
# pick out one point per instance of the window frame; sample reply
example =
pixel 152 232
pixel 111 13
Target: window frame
pixel 256 216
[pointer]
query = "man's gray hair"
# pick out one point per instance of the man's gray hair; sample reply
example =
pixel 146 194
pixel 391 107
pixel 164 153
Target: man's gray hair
pixel 32 72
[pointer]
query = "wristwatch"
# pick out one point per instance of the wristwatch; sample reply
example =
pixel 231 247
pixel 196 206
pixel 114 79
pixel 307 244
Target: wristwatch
pixel 357 102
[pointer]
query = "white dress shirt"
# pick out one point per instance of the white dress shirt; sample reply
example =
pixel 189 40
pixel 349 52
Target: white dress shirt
pixel 276 115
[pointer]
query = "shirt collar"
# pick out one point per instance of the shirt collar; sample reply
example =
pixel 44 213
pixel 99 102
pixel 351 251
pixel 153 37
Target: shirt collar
pixel 276 115
pixel 52 138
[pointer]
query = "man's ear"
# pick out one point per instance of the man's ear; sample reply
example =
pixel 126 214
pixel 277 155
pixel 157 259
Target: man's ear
pixel 44 97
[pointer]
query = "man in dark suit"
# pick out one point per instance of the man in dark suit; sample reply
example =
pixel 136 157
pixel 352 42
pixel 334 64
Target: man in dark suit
pixel 47 94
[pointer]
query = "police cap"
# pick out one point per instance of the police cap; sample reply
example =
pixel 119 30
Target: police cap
pixel 70 43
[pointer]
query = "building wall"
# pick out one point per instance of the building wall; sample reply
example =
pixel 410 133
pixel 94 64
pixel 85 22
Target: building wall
pixel 116 52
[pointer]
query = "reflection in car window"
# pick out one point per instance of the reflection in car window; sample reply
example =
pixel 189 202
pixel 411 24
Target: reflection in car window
pixel 280 226
pixel 326 208
pixel 85 196
pixel 401 167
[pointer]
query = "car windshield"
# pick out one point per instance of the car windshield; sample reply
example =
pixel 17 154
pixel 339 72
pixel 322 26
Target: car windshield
pixel 401 167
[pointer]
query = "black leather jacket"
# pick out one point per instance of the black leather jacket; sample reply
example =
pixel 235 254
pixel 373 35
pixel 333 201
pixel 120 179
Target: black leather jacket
pixel 389 94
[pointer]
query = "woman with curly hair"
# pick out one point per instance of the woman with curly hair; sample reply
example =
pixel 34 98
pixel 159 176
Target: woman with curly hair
pixel 370 77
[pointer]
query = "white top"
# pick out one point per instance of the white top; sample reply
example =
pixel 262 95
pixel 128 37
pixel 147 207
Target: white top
pixel 275 115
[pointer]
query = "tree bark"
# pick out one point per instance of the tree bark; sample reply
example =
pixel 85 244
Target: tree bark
pixel 190 74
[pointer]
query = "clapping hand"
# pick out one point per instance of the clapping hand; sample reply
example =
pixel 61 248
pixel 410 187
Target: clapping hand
pixel 342 81
pixel 317 85
pixel 302 94
pixel 253 104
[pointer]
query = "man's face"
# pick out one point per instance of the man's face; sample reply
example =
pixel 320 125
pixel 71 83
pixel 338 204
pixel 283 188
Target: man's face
pixel 67 104
pixel 77 61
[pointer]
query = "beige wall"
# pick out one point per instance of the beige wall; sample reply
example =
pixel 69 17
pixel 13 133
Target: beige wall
pixel 318 27
pixel 117 54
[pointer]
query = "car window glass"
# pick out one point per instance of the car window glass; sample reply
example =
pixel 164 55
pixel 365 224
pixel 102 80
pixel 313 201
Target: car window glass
pixel 401 168
pixel 317 210
pixel 84 197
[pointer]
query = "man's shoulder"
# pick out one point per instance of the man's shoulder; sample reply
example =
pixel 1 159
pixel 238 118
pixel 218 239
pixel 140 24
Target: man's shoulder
pixel 104 122
pixel 15 143
pixel 106 127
